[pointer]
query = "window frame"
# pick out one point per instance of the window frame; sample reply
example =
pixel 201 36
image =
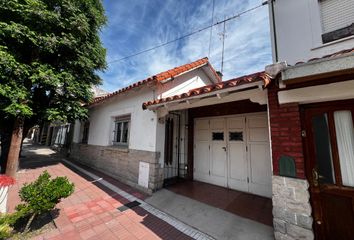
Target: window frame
pixel 85 132
pixel 329 108
pixel 121 120
pixel 337 34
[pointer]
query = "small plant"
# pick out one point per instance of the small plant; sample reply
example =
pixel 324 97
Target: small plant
pixel 42 195
pixel 5 231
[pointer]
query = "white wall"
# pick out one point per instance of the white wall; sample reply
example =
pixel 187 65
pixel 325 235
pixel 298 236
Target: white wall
pixel 299 30
pixel 146 132
pixel 142 134
pixel 193 79
pixel 77 132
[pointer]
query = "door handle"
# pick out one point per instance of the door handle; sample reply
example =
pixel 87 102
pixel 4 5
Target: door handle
pixel 315 177
pixel 224 148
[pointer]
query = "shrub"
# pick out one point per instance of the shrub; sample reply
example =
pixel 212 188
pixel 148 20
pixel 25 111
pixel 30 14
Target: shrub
pixel 42 195
pixel 5 231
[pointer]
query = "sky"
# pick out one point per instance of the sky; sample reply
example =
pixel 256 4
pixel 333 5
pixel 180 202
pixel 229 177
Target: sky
pixel 136 25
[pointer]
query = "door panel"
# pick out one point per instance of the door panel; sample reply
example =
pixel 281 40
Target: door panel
pixel 218 152
pixel 201 150
pixel 260 173
pixel 260 177
pixel 329 147
pixel 339 221
pixel 237 158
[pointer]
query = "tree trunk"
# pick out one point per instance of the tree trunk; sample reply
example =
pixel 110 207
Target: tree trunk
pixel 15 147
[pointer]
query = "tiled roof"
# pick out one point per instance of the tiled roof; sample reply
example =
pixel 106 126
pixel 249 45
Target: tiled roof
pixel 255 77
pixel 159 78
pixel 341 53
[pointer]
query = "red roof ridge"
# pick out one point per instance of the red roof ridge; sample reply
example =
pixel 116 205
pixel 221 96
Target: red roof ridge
pixel 165 75
pixel 254 77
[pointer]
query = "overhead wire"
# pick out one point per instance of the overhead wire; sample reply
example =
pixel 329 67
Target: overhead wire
pixel 187 35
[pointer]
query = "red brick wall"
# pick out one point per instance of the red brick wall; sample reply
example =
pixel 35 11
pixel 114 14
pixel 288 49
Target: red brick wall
pixel 285 132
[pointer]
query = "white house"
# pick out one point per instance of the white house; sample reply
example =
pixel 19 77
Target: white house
pixel 286 134
pixel 120 137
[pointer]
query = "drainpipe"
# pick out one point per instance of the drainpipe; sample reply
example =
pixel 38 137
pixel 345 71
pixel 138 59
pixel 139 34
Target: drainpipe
pixel 273 27
pixel 178 140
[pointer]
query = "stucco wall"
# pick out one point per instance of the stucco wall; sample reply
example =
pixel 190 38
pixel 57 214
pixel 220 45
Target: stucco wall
pixel 193 79
pixel 299 30
pixel 142 134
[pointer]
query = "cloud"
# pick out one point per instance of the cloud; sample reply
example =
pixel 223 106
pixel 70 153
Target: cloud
pixel 135 25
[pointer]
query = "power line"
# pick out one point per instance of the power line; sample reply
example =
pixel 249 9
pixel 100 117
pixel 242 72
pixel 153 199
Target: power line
pixel 187 35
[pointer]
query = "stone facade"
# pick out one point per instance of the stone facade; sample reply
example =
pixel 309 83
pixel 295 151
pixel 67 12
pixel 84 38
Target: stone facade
pixel 120 163
pixel 291 209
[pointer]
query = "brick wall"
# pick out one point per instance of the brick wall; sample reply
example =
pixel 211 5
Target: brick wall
pixel 285 132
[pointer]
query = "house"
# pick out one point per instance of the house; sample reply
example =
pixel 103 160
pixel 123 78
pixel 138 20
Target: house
pixel 311 109
pixel 285 133
pixel 127 142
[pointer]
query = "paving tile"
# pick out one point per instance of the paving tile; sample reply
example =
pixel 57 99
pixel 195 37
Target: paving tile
pixel 91 211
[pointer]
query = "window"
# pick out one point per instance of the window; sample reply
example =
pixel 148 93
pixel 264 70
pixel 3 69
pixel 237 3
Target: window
pixel 236 136
pixel 121 131
pixel 218 136
pixel 85 132
pixel 333 138
pixel 337 19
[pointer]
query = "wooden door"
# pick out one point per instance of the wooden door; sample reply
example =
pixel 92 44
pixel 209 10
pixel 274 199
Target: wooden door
pixel 218 164
pixel 201 150
pixel 329 146
pixel 237 153
pixel 260 173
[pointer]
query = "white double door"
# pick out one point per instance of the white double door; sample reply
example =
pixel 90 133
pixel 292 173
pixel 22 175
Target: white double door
pixel 234 152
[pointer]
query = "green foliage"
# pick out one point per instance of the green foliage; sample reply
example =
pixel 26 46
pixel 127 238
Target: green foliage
pixel 43 194
pixel 5 231
pixel 50 52
pixel 11 218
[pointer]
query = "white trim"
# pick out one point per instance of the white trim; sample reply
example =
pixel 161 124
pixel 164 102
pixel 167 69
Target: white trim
pixel 321 93
pixel 169 79
pixel 214 93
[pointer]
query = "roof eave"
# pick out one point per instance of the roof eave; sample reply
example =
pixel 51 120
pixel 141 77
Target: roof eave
pixel 314 70
pixel 258 84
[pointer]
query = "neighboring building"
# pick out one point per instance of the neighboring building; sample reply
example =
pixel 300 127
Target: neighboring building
pixel 57 134
pixel 311 106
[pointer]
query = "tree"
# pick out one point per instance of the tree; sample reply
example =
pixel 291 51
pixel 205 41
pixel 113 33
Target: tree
pixel 50 52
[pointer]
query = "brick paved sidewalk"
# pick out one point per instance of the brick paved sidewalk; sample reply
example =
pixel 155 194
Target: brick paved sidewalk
pixel 91 211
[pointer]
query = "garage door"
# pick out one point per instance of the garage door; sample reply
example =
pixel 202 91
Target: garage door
pixel 234 152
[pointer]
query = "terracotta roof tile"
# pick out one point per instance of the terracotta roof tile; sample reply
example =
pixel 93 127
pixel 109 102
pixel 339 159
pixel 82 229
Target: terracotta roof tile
pixel 255 77
pixel 158 78
pixel 332 55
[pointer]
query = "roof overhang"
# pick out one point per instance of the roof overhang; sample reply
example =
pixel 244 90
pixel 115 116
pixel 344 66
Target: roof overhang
pixel 253 91
pixel 328 67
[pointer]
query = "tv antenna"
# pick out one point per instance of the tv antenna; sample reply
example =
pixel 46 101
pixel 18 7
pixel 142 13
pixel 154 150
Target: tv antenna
pixel 222 37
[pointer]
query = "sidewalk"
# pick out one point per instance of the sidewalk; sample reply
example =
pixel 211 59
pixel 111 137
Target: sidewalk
pixel 91 211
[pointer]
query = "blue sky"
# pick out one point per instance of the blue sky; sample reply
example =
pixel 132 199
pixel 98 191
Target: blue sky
pixel 136 25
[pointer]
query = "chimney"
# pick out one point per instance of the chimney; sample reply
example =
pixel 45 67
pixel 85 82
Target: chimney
pixel 219 74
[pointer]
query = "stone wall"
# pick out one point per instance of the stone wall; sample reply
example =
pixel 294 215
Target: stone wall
pixel 291 209
pixel 120 163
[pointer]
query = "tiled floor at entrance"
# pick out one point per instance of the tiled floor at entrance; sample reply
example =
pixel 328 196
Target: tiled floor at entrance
pixel 246 205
